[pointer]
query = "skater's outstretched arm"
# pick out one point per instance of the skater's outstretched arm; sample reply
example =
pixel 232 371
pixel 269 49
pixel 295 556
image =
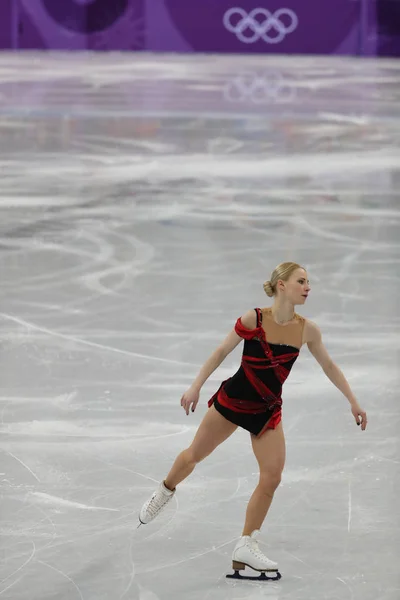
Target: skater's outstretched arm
pixel 191 397
pixel 332 371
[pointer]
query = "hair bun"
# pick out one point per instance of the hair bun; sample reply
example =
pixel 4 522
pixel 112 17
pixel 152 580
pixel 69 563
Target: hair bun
pixel 268 289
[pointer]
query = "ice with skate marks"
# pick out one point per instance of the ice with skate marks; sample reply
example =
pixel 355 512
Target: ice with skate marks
pixel 251 591
pixel 145 594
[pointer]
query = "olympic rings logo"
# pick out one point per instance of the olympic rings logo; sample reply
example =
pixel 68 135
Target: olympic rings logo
pixel 259 88
pixel 260 28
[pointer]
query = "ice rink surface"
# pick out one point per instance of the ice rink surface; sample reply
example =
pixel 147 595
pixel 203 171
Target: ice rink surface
pixel 143 202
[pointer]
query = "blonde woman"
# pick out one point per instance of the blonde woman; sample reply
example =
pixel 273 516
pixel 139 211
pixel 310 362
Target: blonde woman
pixel 252 399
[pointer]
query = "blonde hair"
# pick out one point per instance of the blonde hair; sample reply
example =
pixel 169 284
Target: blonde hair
pixel 282 271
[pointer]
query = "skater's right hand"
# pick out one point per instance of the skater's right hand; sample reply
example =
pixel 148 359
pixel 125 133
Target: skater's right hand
pixel 190 397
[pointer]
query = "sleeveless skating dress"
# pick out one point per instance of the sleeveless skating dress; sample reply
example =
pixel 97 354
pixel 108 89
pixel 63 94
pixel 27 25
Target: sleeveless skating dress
pixel 252 397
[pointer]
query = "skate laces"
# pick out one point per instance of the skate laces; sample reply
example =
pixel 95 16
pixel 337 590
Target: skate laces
pixel 156 502
pixel 254 549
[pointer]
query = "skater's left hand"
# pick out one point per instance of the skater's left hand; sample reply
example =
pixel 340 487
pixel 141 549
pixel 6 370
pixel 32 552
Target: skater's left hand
pixel 360 415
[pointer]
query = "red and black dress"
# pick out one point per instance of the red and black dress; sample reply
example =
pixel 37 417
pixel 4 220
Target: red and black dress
pixel 252 398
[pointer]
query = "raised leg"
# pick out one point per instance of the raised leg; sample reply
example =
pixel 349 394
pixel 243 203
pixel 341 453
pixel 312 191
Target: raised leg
pixel 213 430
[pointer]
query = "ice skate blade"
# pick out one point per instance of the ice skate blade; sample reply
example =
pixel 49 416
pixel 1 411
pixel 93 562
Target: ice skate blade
pixel 263 576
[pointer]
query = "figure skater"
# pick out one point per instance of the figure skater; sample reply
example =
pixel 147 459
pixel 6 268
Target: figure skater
pixel 252 399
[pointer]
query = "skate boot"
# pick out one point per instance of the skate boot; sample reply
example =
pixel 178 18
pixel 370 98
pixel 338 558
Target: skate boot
pixel 155 504
pixel 248 554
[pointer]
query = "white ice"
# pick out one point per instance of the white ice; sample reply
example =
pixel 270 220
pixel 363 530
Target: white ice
pixel 143 201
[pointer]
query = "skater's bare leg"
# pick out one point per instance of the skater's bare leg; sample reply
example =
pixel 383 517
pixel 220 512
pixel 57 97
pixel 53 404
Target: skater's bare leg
pixel 213 430
pixel 270 453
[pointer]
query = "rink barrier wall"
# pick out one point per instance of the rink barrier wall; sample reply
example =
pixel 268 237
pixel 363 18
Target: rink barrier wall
pixel 343 27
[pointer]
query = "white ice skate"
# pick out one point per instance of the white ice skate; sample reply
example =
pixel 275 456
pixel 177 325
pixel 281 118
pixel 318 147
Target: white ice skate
pixel 248 554
pixel 155 504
